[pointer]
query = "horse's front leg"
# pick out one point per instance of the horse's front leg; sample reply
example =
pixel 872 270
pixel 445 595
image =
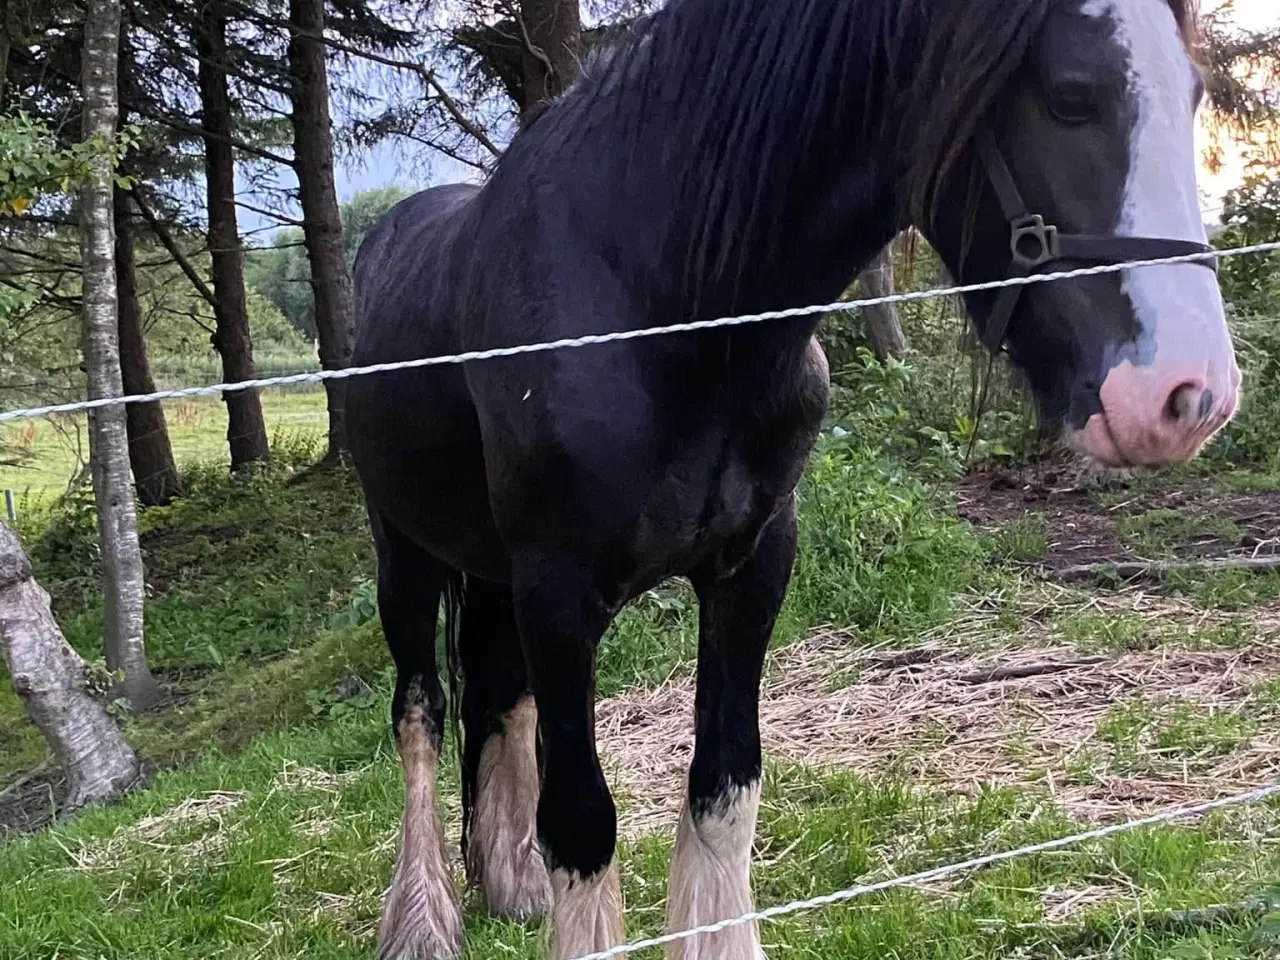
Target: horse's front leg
pixel 561 619
pixel 711 865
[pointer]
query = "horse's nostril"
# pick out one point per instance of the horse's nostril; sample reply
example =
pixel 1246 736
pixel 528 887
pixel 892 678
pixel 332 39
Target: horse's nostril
pixel 1189 403
pixel 1180 403
pixel 1206 405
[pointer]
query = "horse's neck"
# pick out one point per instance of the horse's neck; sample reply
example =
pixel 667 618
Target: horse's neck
pixel 831 201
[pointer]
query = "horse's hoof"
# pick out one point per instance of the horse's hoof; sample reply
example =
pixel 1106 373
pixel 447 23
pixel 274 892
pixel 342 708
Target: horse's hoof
pixel 420 919
pixel 586 914
pixel 520 890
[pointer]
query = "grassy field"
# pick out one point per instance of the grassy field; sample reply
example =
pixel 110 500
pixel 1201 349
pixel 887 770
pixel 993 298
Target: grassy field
pixel 942 685
pixel 55 449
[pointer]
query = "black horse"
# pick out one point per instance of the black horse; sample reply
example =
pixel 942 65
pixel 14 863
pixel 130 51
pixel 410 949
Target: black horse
pixel 730 157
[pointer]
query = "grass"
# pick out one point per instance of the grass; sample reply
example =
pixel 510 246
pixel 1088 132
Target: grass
pixel 56 448
pixel 1157 532
pixel 238 624
pixel 172 370
pixel 283 852
pixel 1024 539
pixel 1179 732
pixel 1118 632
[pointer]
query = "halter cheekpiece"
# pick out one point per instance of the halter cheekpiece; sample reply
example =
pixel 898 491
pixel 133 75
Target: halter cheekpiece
pixel 1033 243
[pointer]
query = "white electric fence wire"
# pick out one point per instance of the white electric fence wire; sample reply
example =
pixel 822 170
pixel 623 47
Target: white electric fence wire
pixel 591 339
pixel 938 873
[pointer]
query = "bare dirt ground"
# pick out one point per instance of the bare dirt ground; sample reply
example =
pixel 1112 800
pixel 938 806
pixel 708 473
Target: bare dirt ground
pixel 1083 514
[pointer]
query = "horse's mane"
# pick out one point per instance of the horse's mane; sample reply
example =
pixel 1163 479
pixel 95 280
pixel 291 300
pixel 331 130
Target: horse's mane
pixel 732 87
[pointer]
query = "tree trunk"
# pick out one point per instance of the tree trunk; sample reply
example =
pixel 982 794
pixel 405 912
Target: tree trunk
pixel 552 37
pixel 49 677
pixel 4 58
pixel 884 332
pixel 321 222
pixel 246 430
pixel 155 476
pixel 108 435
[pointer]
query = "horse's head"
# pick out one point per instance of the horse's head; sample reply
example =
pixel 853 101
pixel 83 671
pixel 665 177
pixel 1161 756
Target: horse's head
pixel 1086 156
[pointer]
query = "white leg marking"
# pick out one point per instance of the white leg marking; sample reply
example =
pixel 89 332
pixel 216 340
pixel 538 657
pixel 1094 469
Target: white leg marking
pixel 420 916
pixel 503 857
pixel 711 879
pixel 586 913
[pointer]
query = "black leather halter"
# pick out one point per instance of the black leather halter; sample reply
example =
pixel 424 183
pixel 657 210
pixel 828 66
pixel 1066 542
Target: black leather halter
pixel 1034 243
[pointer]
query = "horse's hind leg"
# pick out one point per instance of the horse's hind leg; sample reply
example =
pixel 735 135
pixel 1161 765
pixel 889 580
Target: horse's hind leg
pixel 420 916
pixel 500 764
pixel 711 864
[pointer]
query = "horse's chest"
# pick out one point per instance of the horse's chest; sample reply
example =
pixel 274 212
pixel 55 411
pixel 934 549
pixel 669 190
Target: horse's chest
pixel 706 505
pixel 729 481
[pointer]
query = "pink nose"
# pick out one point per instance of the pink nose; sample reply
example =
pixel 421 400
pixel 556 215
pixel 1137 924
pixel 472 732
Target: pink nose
pixel 1150 421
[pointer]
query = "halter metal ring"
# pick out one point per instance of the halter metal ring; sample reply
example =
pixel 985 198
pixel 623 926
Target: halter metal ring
pixel 1045 236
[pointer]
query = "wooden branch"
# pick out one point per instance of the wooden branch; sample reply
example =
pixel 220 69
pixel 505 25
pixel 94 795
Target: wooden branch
pixel 18 783
pixel 181 126
pixel 161 35
pixel 196 130
pixel 1025 670
pixel 263 211
pixel 1137 570
pixel 429 78
pixel 166 239
pixel 449 152
pixel 532 48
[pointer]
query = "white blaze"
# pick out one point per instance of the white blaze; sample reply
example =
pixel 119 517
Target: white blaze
pixel 1179 307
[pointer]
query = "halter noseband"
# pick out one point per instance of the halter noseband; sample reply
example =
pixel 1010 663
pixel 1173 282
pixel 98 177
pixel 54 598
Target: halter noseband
pixel 1034 243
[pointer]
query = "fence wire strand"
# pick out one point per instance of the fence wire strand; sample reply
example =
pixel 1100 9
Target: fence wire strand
pixel 621 335
pixel 939 873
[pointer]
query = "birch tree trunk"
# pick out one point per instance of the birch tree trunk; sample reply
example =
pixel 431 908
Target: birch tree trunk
pixel 321 221
pixel 108 435
pixel 884 330
pixel 49 677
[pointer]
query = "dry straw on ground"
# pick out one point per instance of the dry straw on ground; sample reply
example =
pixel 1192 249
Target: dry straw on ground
pixel 940 715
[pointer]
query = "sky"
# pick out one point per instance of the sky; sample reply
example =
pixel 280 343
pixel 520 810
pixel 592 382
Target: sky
pixel 1249 15
pixel 387 163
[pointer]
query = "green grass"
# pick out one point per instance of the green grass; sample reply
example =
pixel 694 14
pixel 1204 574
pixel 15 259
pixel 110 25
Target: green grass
pixel 1095 632
pixel 1159 532
pixel 197 430
pixel 1023 539
pixel 240 610
pixel 1185 733
pixel 284 851
pixel 175 370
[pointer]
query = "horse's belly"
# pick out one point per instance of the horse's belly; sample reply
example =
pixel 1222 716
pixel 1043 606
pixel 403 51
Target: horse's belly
pixel 436 494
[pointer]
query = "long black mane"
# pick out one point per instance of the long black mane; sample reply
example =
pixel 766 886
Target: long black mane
pixel 730 101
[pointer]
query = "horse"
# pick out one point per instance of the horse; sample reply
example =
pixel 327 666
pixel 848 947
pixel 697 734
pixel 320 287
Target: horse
pixel 724 158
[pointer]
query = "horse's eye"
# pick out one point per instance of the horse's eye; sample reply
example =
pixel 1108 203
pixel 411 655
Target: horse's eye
pixel 1074 104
